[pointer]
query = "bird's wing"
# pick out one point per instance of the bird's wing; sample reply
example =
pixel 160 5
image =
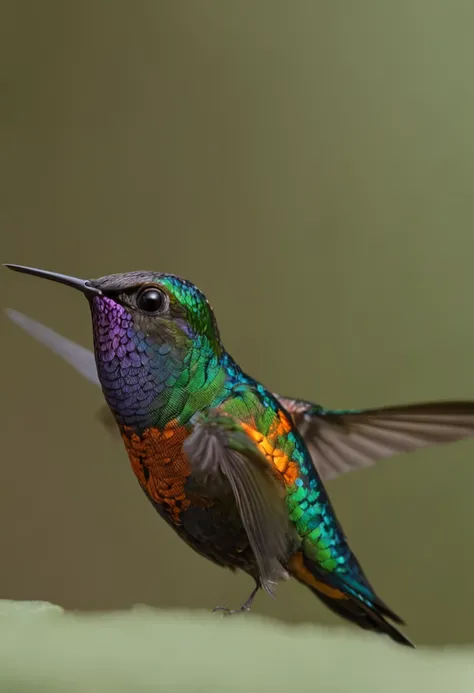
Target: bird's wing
pixel 343 441
pixel 80 358
pixel 219 445
pixel 338 441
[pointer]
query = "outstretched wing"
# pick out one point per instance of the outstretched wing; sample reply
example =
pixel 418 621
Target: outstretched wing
pixel 219 445
pixel 342 441
pixel 338 441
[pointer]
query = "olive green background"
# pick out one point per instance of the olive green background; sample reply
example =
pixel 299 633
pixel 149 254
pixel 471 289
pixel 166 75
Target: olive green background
pixel 309 165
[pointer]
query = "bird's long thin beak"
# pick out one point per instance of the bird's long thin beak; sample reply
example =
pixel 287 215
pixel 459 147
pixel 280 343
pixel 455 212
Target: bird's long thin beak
pixel 82 285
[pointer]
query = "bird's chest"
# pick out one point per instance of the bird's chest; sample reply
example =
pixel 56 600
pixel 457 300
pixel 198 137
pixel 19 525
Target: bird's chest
pixel 205 515
pixel 161 466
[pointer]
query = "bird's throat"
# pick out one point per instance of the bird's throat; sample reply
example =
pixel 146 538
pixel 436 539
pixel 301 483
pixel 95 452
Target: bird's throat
pixel 150 381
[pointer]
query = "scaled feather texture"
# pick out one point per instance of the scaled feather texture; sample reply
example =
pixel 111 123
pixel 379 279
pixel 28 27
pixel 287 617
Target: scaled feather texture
pixel 339 441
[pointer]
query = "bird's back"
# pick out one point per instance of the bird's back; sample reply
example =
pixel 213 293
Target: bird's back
pixel 273 431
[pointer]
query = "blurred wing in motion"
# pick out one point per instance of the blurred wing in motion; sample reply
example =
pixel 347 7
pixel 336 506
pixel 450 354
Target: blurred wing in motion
pixel 82 359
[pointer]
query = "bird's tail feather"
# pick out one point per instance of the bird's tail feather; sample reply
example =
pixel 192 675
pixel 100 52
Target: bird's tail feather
pixel 342 599
pixel 363 616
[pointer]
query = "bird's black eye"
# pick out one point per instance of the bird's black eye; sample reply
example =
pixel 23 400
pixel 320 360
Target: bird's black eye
pixel 151 300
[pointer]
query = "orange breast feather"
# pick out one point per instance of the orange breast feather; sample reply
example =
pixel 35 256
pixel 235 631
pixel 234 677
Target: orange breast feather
pixel 160 465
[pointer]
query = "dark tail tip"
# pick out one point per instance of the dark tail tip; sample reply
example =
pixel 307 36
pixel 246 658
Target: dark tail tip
pixel 364 617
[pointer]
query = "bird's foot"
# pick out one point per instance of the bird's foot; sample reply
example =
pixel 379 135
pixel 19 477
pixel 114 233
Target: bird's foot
pixel 244 609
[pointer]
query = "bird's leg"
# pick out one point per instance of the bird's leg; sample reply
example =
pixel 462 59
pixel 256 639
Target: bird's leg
pixel 244 609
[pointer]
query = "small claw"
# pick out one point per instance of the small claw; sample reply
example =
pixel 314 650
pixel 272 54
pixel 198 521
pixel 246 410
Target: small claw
pixel 244 609
pixel 229 612
pixel 216 609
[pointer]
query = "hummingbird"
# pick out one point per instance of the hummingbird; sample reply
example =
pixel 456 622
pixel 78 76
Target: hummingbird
pixel 236 470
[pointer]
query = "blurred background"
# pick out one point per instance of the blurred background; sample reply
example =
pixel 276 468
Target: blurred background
pixel 310 166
